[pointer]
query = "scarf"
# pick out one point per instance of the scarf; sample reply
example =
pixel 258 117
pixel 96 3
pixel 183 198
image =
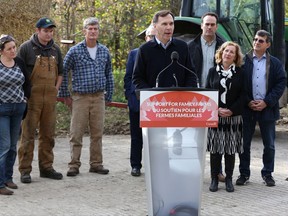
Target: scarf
pixel 225 79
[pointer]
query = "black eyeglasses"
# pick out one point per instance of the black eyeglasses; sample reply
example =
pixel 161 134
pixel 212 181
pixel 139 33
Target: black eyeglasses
pixel 258 40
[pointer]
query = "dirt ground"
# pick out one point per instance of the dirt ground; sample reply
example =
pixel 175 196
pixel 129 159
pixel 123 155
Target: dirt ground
pixel 117 121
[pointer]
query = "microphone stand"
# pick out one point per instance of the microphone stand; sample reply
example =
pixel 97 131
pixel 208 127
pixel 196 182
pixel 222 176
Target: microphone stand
pixel 197 79
pixel 157 78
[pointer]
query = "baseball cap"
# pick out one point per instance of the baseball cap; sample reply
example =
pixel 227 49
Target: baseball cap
pixel 45 22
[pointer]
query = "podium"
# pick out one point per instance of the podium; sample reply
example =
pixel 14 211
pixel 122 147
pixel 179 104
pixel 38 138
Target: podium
pixel 174 122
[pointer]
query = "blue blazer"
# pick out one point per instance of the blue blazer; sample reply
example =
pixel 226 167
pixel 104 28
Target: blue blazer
pixel 276 82
pixel 130 95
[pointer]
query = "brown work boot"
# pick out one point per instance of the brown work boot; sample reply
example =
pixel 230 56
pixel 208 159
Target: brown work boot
pixel 99 169
pixel 73 171
pixel 5 191
pixel 52 174
pixel 11 185
pixel 25 178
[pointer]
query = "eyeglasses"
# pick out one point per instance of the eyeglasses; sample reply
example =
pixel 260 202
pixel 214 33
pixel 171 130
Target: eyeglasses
pixel 261 41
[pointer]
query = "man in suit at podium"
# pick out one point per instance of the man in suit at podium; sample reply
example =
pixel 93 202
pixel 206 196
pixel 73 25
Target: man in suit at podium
pixel 134 113
pixel 157 65
pixel 153 58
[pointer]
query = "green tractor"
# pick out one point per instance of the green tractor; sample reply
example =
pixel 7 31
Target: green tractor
pixel 238 21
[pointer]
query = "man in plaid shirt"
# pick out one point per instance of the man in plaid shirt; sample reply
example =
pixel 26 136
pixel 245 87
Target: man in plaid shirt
pixel 92 85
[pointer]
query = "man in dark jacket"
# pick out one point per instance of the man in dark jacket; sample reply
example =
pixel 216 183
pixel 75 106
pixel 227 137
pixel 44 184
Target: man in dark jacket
pixel 134 109
pixel 202 49
pixel 264 84
pixel 155 55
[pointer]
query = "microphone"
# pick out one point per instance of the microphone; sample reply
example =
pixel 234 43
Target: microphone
pixel 176 81
pixel 175 57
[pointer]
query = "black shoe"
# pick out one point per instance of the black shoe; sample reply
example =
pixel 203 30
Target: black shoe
pixel 99 169
pixel 73 171
pixel 242 180
pixel 25 178
pixel 229 185
pixel 214 185
pixel 269 180
pixel 135 172
pixel 52 174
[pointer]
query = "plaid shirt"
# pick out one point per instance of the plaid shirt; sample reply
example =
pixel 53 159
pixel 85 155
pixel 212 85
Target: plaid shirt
pixel 88 75
pixel 11 81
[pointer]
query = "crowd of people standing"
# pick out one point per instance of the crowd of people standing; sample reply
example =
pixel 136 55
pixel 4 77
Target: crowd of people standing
pixel 31 80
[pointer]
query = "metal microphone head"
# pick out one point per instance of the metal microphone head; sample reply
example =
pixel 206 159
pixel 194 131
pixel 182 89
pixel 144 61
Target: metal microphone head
pixel 174 56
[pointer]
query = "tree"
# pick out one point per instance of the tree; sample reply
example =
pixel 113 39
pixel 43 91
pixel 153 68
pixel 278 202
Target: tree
pixel 18 18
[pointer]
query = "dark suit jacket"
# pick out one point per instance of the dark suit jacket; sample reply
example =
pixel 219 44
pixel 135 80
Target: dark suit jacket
pixel 153 58
pixel 276 82
pixel 130 95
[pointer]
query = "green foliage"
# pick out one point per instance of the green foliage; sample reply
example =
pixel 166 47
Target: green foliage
pixel 118 86
pixel 62 119
pixel 120 22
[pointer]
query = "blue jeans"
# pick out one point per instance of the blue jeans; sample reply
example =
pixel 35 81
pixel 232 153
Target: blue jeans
pixel 267 129
pixel 10 120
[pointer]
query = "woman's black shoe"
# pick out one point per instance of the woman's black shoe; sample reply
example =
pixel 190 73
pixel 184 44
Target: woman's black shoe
pixel 229 185
pixel 214 185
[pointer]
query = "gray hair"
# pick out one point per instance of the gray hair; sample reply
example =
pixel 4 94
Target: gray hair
pixel 148 30
pixel 90 21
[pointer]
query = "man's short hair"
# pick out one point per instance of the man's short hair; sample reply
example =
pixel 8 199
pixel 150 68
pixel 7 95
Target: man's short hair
pixel 162 13
pixel 90 21
pixel 210 14
pixel 263 33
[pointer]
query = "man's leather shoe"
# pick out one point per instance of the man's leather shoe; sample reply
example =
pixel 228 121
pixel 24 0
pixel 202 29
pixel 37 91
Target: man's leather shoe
pixel 11 185
pixel 135 172
pixel 214 185
pixel 25 178
pixel 52 174
pixel 5 191
pixel 73 171
pixel 99 169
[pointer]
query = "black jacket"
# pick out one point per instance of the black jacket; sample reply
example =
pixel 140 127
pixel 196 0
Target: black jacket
pixel 196 54
pixel 235 93
pixel 27 85
pixel 152 58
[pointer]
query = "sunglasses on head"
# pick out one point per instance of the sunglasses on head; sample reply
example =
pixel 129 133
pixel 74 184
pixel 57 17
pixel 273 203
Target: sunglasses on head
pixel 258 40
pixel 6 38
pixel 151 36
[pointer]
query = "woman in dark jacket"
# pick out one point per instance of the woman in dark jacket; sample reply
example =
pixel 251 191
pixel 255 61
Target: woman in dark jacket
pixel 14 92
pixel 226 139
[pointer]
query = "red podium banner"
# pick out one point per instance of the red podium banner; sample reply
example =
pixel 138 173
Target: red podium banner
pixel 178 108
